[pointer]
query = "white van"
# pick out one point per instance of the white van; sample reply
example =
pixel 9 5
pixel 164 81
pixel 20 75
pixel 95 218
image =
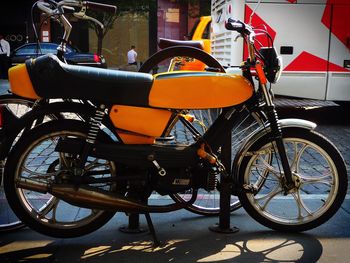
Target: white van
pixel 312 36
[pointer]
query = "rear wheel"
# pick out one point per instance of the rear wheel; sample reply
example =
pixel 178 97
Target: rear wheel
pixel 34 158
pixel 319 174
pixel 208 202
pixel 175 58
pixel 8 220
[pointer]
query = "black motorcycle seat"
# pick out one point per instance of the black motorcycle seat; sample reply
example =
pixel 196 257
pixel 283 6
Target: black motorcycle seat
pixel 165 43
pixel 51 78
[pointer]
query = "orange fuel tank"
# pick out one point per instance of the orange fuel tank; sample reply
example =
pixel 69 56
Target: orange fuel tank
pixel 198 90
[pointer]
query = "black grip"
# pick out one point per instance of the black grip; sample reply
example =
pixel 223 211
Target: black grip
pixel 100 7
pixel 235 25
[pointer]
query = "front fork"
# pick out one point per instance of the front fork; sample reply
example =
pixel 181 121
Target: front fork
pixel 276 133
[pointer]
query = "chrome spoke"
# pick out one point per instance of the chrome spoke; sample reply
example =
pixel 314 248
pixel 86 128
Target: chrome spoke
pixel 297 157
pixel 49 206
pixel 265 165
pixel 38 175
pixel 268 197
pixel 323 179
pixel 301 205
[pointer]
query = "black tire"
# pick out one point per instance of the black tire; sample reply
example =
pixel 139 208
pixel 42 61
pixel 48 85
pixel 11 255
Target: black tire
pixel 180 51
pixel 317 167
pixel 26 209
pixel 208 203
pixel 18 106
pixel 181 134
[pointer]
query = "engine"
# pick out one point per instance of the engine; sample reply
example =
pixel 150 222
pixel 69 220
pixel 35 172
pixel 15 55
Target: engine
pixel 177 180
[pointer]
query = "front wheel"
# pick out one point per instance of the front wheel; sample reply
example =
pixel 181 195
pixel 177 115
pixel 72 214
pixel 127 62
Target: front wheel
pixel 319 174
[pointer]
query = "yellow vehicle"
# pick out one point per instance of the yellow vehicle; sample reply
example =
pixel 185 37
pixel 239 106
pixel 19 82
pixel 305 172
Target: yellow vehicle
pixel 199 38
pixel 200 32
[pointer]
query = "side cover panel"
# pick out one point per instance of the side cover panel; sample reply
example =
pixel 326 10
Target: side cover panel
pixel 145 121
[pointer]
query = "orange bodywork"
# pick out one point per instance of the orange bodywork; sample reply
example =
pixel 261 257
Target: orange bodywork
pixel 147 123
pixel 130 138
pixel 198 90
pixel 20 83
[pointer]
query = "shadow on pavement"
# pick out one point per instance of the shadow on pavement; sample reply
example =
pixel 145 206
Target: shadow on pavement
pixel 264 246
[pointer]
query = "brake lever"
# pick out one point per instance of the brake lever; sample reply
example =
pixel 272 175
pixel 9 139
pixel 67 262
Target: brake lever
pixel 237 37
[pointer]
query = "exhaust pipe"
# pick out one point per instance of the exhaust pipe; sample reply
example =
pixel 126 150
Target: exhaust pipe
pixel 90 197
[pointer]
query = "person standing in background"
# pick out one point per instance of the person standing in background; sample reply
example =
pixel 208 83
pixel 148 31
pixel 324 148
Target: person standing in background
pixel 132 56
pixel 4 57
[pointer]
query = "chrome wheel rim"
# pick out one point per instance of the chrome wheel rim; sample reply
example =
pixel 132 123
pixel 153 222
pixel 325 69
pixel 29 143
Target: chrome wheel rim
pixel 45 208
pixel 316 183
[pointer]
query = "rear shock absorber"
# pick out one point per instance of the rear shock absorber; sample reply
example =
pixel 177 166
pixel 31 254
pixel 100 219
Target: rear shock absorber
pixel 212 180
pixel 94 126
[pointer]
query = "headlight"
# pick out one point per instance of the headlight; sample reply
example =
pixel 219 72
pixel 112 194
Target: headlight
pixel 272 64
pixel 278 70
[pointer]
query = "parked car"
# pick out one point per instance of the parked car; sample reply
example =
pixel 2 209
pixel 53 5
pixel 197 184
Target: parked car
pixel 72 56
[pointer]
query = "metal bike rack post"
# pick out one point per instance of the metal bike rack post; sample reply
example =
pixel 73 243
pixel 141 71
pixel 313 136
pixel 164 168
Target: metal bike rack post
pixel 225 191
pixel 133 226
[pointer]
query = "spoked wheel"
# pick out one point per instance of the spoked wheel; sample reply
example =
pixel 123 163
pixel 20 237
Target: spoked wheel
pixel 320 180
pixel 208 202
pixel 176 58
pixel 34 158
pixel 8 220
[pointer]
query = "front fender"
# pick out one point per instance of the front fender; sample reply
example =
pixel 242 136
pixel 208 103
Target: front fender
pixel 262 131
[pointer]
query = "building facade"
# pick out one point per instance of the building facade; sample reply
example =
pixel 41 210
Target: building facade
pixel 162 18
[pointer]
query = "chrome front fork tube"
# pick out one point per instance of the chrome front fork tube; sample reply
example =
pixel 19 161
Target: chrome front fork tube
pixel 278 138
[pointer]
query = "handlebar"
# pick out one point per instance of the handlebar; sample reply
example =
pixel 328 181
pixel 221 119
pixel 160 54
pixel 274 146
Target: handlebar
pixel 235 25
pixel 46 8
pixel 73 6
pixel 246 32
pixel 77 8
pixel 100 7
pixel 271 62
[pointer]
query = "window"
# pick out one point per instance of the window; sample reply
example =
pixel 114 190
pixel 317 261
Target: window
pixel 27 50
pixel 206 33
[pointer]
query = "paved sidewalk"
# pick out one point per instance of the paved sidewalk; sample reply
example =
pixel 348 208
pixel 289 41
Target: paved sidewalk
pixel 185 238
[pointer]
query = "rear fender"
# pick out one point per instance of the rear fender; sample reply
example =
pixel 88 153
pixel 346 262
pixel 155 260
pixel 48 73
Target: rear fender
pixel 284 124
pixel 55 110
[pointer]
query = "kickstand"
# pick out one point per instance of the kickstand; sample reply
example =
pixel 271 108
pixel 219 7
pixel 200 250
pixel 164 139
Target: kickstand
pixel 156 242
